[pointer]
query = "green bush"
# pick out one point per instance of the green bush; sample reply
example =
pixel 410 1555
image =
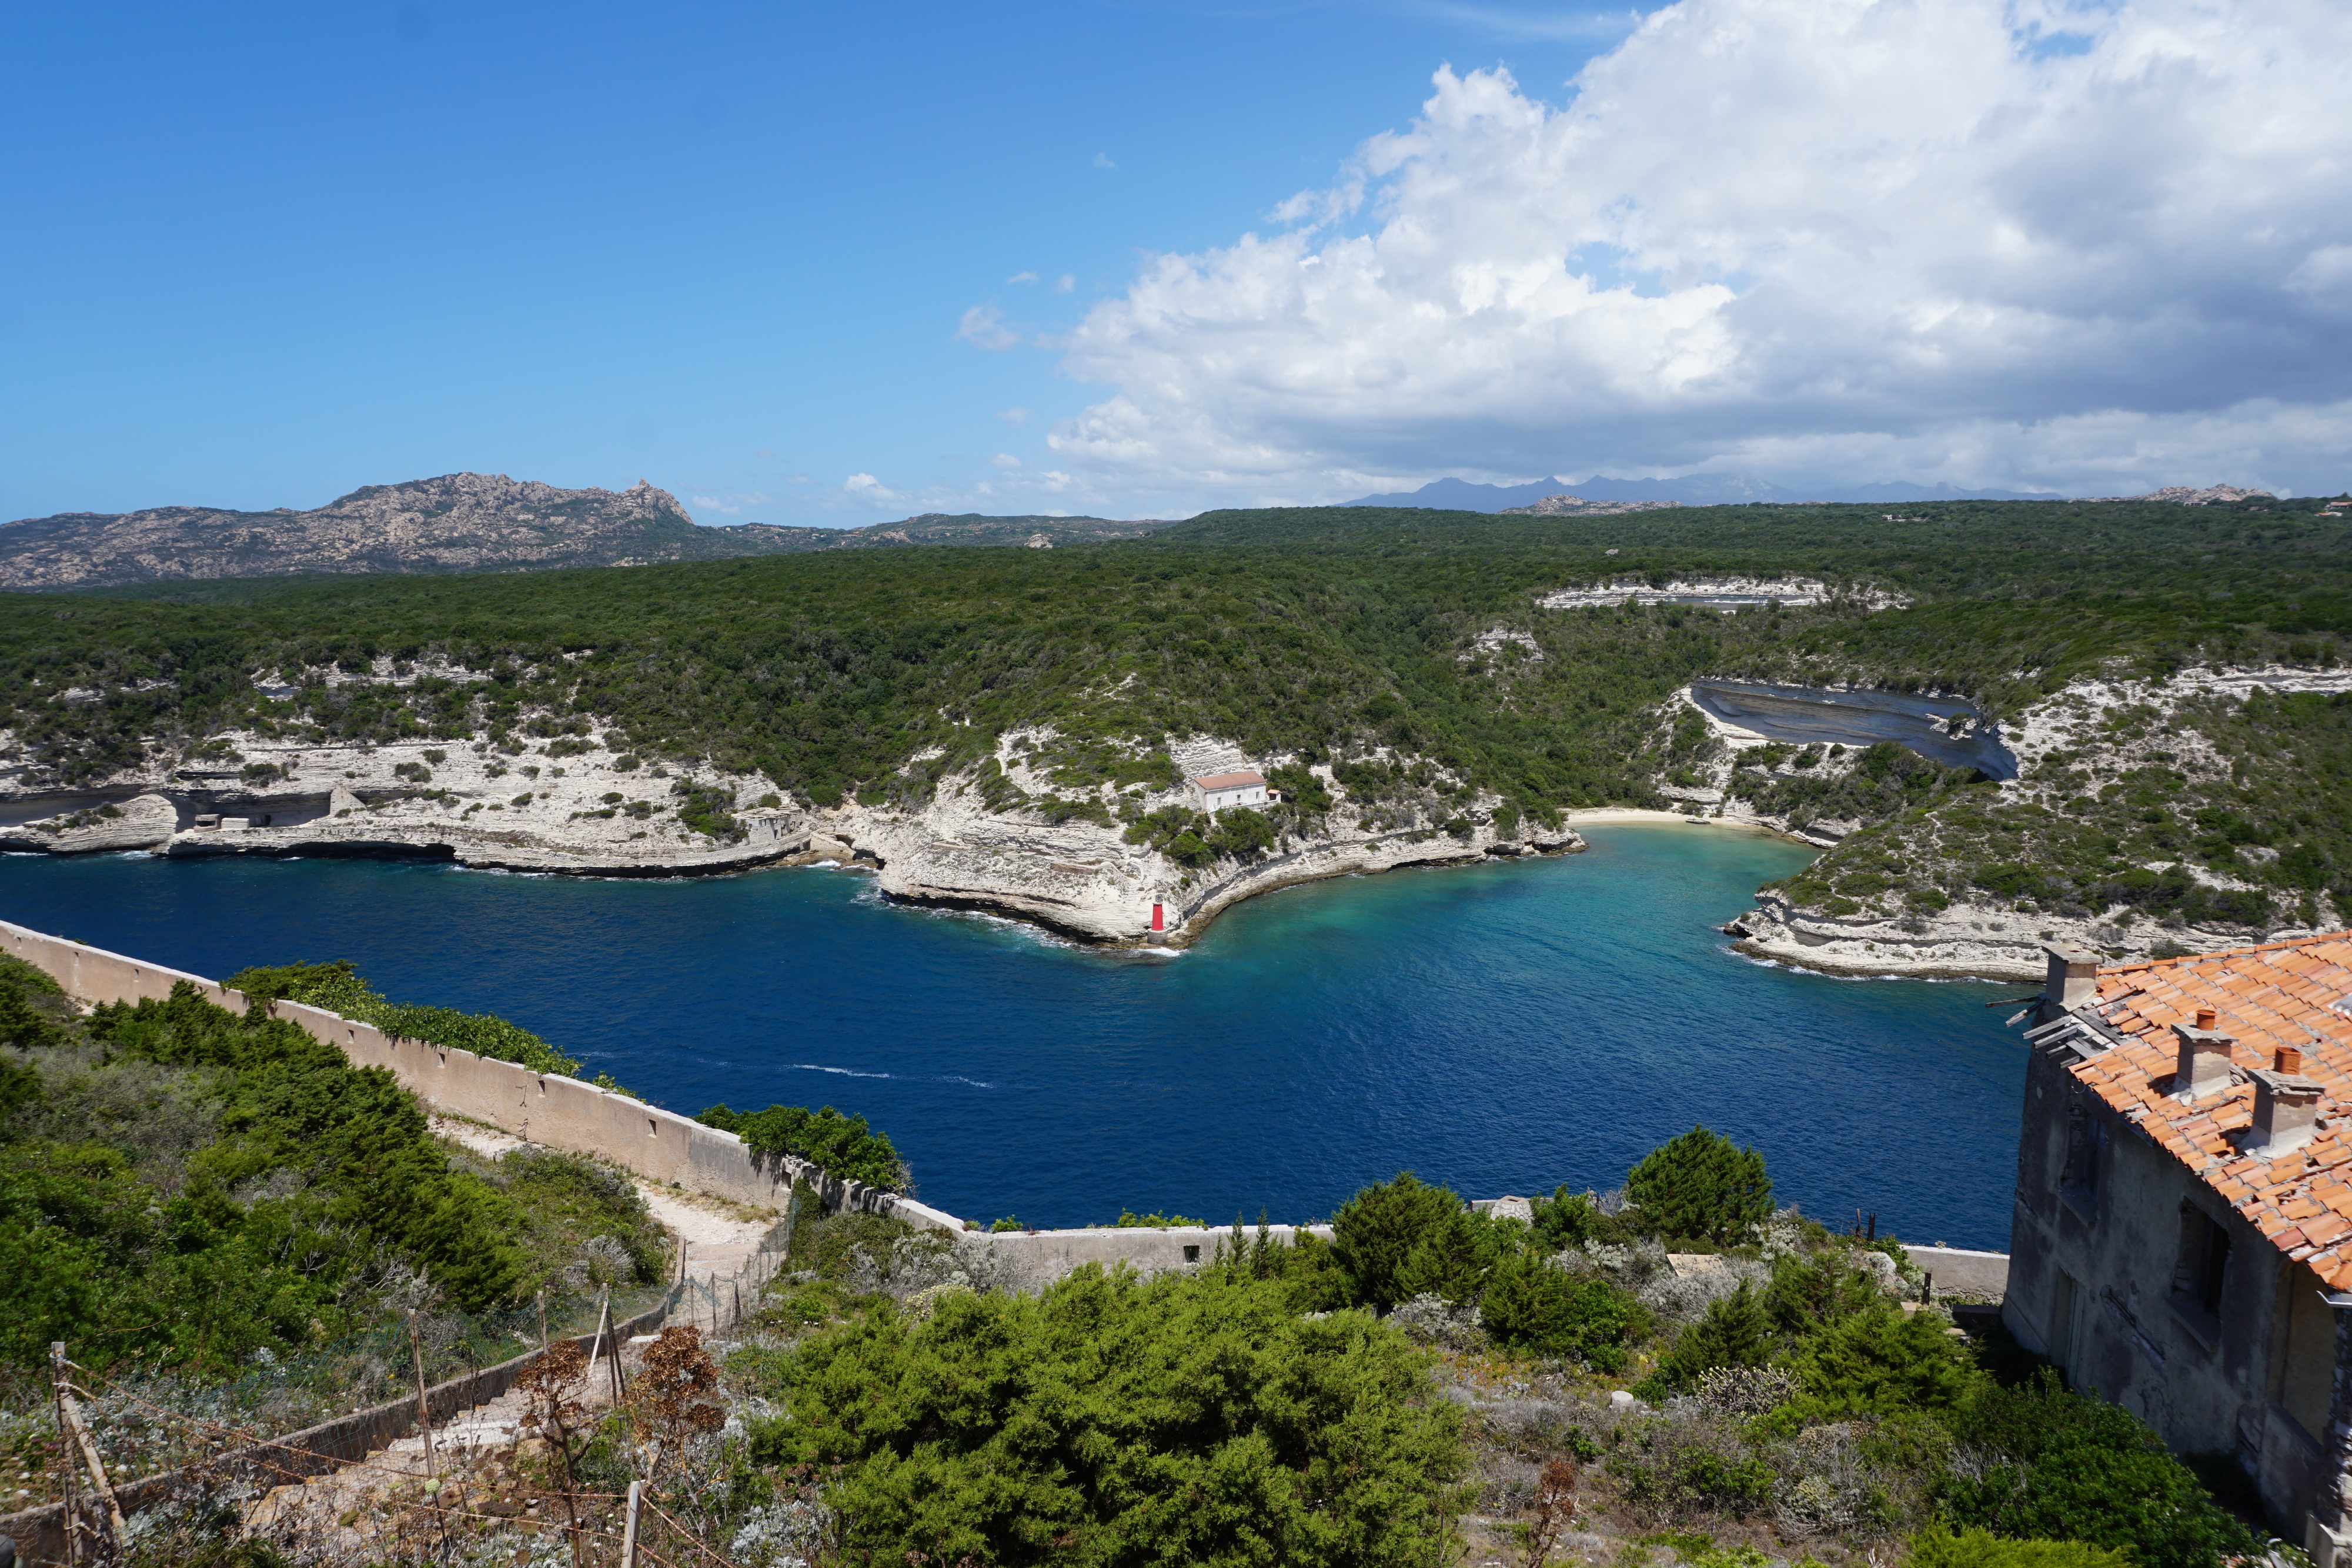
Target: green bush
pixel 181 1187
pixel 1376 1233
pixel 2053 1465
pixel 336 987
pixel 1939 1547
pixel 1734 1332
pixel 836 1144
pixel 1112 1420
pixel 1571 1218
pixel 1879 1362
pixel 1305 1266
pixel 1531 1303
pixel 1450 1258
pixel 1700 1187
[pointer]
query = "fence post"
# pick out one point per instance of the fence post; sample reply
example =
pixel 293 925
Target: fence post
pixel 71 1416
pixel 629 1531
pixel 423 1405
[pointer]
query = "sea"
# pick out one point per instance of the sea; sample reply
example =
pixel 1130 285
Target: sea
pixel 1499 1029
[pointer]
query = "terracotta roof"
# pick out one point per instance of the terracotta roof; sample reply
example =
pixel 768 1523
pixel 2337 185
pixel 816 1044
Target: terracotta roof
pixel 2279 994
pixel 1229 781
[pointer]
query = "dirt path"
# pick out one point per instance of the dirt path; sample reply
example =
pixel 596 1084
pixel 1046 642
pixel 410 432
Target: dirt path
pixel 719 1236
pixel 379 1506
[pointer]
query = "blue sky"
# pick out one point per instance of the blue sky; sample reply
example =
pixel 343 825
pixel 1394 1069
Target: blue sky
pixel 807 264
pixel 260 255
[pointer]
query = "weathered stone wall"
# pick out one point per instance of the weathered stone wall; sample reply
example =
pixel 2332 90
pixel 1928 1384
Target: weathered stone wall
pixel 2096 1283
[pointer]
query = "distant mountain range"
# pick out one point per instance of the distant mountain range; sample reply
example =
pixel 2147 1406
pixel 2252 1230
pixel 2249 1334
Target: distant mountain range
pixel 1691 490
pixel 459 522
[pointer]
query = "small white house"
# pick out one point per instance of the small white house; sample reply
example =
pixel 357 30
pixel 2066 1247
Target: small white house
pixel 1214 791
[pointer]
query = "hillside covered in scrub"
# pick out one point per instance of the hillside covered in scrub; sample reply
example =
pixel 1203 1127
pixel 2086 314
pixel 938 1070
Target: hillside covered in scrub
pixel 220 1211
pixel 1399 660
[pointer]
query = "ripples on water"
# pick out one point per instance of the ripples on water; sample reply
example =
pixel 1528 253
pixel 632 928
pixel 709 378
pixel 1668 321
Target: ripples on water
pixel 1497 1028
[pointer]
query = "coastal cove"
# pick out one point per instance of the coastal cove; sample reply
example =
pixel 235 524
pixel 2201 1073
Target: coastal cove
pixel 1497 1028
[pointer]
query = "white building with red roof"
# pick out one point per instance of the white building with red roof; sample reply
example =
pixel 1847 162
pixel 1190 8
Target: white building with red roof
pixel 2182 1235
pixel 1214 791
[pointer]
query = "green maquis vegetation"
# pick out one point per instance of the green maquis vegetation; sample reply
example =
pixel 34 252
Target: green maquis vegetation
pixel 1407 651
pixel 338 988
pixel 1370 1399
pixel 1110 1420
pixel 839 1146
pixel 187 1188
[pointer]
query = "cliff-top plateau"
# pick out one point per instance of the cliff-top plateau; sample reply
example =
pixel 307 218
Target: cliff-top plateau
pixel 457 522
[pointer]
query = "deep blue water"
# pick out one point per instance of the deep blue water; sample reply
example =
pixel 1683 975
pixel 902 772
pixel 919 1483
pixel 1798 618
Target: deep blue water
pixel 1496 1029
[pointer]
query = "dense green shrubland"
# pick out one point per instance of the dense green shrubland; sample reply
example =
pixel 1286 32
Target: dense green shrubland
pixel 1318 631
pixel 1202 1416
pixel 185 1187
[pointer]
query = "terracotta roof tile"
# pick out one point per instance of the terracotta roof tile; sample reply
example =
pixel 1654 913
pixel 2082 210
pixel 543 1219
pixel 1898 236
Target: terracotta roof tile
pixel 2273 994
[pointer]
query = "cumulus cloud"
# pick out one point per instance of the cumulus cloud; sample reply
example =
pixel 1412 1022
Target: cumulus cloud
pixel 1990 241
pixel 1014 415
pixel 1010 485
pixel 1022 277
pixel 1102 161
pixel 1064 283
pixel 983 328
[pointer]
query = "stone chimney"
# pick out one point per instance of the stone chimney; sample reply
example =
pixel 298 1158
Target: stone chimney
pixel 2073 979
pixel 2202 1067
pixel 2286 1106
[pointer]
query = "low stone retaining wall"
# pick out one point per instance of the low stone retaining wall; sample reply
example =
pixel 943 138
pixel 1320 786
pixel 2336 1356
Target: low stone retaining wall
pixel 540 1107
pixel 1957 1271
pixel 1030 1260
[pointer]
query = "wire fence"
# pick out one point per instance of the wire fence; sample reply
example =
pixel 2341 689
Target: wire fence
pixel 180 1453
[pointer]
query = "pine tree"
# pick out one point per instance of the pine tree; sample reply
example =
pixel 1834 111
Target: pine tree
pixel 1701 1187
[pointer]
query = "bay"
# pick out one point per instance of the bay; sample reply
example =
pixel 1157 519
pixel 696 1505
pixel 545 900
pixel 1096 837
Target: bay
pixel 1496 1029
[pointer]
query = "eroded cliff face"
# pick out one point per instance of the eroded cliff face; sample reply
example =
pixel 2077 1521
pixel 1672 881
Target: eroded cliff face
pixel 574 805
pixel 1952 875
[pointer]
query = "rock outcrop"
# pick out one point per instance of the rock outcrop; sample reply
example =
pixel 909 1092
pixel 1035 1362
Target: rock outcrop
pixel 457 522
pixel 1578 507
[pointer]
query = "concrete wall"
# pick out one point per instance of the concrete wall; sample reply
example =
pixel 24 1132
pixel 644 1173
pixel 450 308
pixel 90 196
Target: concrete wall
pixel 1028 1260
pixel 1958 1271
pixel 546 1108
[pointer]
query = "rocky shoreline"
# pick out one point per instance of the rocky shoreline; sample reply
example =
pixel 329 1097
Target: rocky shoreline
pixel 1976 935
pixel 598 813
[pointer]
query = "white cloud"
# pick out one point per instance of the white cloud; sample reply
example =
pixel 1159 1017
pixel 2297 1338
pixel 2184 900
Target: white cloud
pixel 1005 460
pixel 1022 277
pixel 1014 415
pixel 1064 283
pixel 983 328
pixel 1990 241
pixel 713 503
pixel 1102 161
pixel 865 487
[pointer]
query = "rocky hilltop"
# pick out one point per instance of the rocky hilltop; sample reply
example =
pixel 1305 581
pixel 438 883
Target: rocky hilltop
pixel 1578 507
pixel 459 522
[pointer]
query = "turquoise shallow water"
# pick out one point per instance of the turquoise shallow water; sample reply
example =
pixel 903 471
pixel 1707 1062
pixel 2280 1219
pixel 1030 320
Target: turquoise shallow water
pixel 1497 1028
